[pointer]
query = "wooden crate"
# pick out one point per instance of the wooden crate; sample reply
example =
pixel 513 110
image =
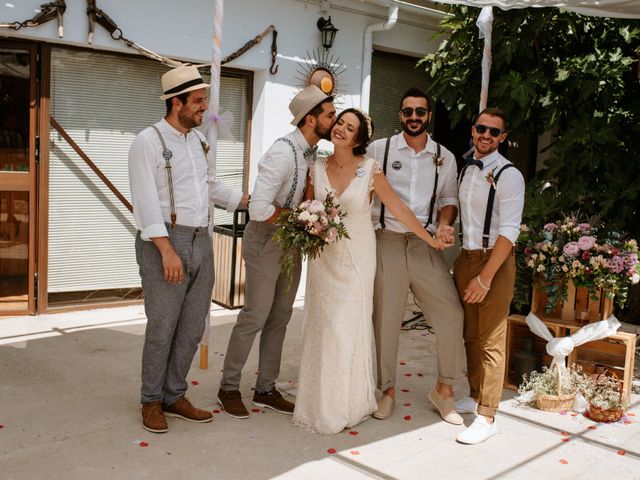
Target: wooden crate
pixel 616 354
pixel 517 331
pixel 579 306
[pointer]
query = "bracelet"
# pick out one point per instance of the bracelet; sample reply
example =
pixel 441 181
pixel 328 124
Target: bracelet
pixel 482 285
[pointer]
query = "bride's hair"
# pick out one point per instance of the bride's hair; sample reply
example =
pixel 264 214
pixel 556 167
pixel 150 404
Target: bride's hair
pixel 365 132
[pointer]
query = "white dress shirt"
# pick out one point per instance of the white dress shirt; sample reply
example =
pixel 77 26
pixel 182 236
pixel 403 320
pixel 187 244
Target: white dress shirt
pixel 413 181
pixel 275 177
pixel 507 206
pixel 195 185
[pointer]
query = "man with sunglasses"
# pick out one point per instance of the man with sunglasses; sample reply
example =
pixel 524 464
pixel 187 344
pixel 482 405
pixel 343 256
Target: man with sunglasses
pixel 423 174
pixel 491 195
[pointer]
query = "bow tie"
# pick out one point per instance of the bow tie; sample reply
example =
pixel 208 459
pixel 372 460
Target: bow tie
pixel 310 151
pixel 477 163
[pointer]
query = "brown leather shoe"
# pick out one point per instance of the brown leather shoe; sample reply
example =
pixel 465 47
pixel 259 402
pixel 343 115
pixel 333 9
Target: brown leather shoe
pixel 153 418
pixel 183 409
pixel 231 403
pixel 273 400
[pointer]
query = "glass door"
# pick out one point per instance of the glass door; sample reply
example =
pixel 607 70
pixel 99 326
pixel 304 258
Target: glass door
pixel 17 179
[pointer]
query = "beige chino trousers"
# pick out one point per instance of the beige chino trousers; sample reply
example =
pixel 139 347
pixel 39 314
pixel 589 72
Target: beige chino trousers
pixel 405 262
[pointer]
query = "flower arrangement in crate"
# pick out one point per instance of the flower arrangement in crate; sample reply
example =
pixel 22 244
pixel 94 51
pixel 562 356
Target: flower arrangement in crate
pixel 581 252
pixel 306 229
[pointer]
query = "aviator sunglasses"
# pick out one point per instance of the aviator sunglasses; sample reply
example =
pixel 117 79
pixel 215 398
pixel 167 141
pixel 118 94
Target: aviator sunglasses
pixel 493 131
pixel 408 111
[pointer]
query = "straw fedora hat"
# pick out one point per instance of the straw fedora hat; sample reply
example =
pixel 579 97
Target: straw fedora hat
pixel 181 80
pixel 304 102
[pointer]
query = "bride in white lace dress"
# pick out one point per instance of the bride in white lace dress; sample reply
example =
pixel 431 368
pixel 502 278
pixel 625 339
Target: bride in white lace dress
pixel 336 385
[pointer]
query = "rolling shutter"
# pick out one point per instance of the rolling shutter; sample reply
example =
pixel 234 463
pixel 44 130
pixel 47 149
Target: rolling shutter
pixel 103 101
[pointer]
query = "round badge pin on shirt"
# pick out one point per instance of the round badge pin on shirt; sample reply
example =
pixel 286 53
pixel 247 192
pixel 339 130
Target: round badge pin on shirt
pixel 397 165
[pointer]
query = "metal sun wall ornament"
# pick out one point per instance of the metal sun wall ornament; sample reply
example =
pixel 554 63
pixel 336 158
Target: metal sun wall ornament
pixel 322 69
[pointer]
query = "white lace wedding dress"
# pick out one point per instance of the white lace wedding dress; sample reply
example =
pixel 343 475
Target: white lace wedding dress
pixel 336 383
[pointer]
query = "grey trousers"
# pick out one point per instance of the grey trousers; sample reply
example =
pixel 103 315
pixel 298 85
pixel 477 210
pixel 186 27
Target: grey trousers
pixel 405 262
pixel 267 309
pixel 176 313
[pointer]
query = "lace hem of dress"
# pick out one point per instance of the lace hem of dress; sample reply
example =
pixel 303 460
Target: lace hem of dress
pixel 314 427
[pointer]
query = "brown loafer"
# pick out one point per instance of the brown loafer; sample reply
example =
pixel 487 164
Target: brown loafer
pixel 183 409
pixel 446 408
pixel 152 417
pixel 231 403
pixel 273 400
pixel 385 407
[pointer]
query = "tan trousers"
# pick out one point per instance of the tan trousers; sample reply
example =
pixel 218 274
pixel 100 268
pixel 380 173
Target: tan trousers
pixel 485 327
pixel 405 262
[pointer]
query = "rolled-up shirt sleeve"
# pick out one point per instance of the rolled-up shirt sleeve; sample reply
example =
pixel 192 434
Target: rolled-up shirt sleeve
pixel 147 212
pixel 510 195
pixel 449 193
pixel 274 170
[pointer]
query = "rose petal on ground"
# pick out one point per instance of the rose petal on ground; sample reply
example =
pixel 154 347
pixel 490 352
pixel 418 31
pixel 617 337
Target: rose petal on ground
pixel 631 414
pixel 255 410
pixel 405 390
pixel 621 452
pixel 331 451
pixel 563 413
pixel 407 417
pixel 195 382
pixel 563 461
pixel 564 439
pixel 143 444
pixel 566 434
pixel 216 411
pixel 627 422
pixel 406 404
pixel 355 452
pixel 403 363
pixel 407 374
pixel 353 433
pixel 592 427
pixel 1 426
pixel 574 414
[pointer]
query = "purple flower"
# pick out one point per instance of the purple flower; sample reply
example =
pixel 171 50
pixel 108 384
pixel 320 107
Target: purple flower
pixel 585 227
pixel 551 227
pixel 615 264
pixel 631 260
pixel 571 249
pixel 586 243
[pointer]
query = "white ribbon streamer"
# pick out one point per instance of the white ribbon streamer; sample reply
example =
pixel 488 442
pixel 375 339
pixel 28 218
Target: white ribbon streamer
pixel 485 26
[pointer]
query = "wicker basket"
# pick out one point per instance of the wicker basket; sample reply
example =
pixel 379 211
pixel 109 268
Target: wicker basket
pixel 606 415
pixel 556 403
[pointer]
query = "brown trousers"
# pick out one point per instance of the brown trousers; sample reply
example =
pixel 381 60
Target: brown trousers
pixel 485 327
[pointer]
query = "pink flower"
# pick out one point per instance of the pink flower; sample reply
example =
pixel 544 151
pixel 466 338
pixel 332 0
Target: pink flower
pixel 586 242
pixel 571 249
pixel 615 264
pixel 332 235
pixel 316 206
pixel 551 227
pixel 585 227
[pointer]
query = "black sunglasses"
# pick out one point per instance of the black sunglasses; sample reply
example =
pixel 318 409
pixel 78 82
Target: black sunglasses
pixel 408 111
pixel 493 131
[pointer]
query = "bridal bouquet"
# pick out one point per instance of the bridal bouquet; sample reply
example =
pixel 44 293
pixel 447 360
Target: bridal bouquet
pixel 306 229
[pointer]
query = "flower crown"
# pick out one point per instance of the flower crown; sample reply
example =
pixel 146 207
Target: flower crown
pixel 367 120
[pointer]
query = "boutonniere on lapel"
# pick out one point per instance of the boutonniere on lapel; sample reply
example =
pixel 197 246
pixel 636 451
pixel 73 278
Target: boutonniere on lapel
pixel 205 146
pixel 490 178
pixel 438 161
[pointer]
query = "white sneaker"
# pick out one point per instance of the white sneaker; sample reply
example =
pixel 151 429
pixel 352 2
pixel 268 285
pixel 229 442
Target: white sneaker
pixel 478 431
pixel 466 405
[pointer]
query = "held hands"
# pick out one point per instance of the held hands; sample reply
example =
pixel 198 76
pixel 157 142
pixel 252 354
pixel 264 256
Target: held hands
pixel 445 234
pixel 477 290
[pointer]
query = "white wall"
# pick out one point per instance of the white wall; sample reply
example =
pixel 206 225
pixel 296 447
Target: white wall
pixel 183 30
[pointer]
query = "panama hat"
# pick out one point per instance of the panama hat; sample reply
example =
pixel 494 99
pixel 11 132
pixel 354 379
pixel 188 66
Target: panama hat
pixel 304 102
pixel 181 80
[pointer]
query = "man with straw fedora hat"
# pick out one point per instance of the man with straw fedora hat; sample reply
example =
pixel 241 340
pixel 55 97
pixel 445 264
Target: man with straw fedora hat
pixel 268 302
pixel 173 183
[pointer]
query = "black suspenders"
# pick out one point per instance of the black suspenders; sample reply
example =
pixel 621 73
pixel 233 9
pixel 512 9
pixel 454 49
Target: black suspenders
pixel 434 195
pixel 490 200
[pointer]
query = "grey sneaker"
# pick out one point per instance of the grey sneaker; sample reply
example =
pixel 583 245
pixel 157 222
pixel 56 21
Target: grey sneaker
pixel 273 400
pixel 231 403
